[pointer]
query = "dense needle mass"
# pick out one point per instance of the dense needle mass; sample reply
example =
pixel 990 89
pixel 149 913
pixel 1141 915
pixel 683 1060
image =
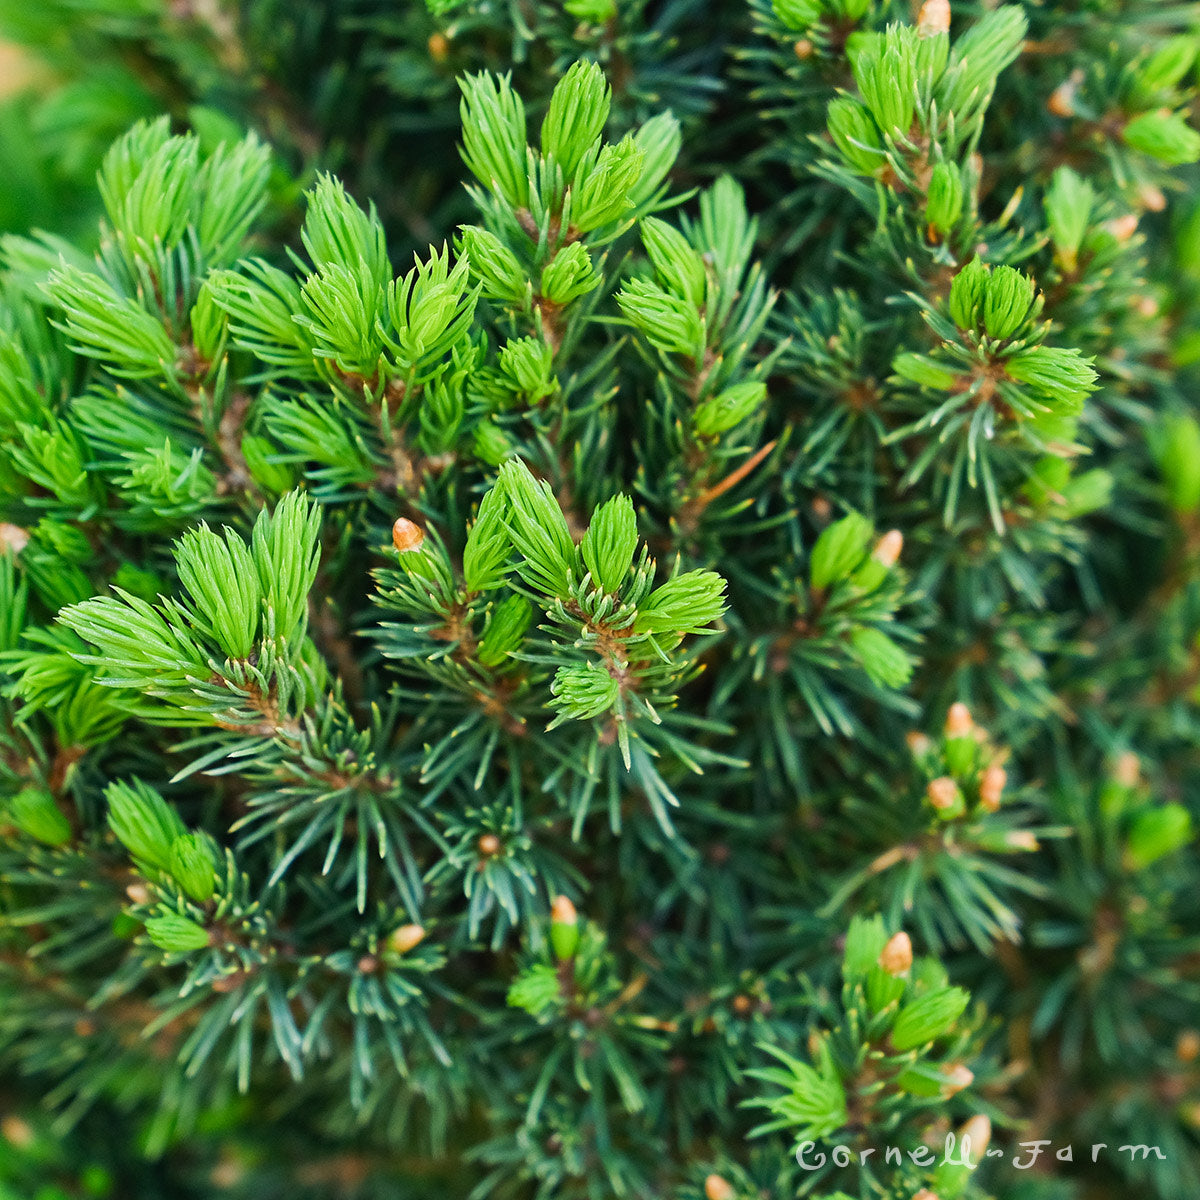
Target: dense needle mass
pixel 585 683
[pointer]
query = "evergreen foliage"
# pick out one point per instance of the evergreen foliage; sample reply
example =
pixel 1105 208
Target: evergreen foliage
pixel 664 671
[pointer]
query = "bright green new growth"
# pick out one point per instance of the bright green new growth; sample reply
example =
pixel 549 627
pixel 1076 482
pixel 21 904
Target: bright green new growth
pixel 143 822
pixel 608 546
pixel 245 604
pixel 34 812
pixel 899 1007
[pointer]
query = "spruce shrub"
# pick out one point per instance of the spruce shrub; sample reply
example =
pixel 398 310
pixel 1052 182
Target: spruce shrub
pixel 667 671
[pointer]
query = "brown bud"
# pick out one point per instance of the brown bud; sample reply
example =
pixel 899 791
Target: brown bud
pixel 368 964
pixel 1127 769
pixel 942 792
pixel 1151 197
pixel 957 1078
pixel 1122 228
pixel 716 1188
pixel 804 49
pixel 439 46
pixel 13 537
pixel 1147 307
pixel 563 912
pixel 934 18
pixel 896 958
pixel 991 787
pixel 958 721
pixel 887 549
pixel 138 893
pixel 406 938
pixel 925 1194
pixel 918 742
pixel 979 1130
pixel 742 1005
pixel 1022 839
pixel 1187 1046
pixel 489 845
pixel 227 1174
pixel 1062 99
pixel 17 1132
pixel 407 535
